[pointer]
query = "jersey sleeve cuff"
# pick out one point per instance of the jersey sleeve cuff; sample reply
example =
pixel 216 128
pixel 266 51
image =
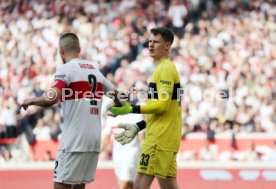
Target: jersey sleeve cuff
pixel 141 125
pixel 136 109
pixel 59 84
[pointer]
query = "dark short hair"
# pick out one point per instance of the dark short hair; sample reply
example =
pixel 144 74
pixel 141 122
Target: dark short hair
pixel 69 35
pixel 72 43
pixel 166 33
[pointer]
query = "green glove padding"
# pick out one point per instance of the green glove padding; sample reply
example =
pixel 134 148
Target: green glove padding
pixel 125 109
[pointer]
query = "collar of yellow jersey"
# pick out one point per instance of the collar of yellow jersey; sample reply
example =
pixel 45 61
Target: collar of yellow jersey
pixel 163 60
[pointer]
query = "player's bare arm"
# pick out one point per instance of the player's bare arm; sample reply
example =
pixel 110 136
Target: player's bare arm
pixel 49 98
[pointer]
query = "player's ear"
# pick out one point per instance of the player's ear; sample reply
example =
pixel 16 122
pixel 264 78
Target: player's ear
pixel 168 46
pixel 61 50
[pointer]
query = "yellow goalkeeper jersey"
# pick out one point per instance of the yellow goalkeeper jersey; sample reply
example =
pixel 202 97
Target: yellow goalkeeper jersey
pixel 164 130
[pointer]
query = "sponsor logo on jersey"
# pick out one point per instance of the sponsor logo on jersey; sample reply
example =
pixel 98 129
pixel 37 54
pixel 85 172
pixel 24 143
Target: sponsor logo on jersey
pixel 164 82
pixel 60 76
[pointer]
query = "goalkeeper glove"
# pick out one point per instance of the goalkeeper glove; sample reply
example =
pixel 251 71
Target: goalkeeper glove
pixel 128 135
pixel 125 109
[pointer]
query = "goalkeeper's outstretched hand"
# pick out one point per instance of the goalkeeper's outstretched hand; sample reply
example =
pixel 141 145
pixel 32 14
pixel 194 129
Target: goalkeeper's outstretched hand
pixel 122 110
pixel 131 130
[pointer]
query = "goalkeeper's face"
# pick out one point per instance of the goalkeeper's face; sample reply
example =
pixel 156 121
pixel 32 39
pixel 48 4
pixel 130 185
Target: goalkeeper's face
pixel 158 48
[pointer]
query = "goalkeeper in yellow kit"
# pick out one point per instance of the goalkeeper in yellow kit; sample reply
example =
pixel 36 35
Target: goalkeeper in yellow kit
pixel 163 118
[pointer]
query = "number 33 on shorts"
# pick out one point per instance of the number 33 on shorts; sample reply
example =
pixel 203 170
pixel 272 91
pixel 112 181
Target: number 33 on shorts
pixel 144 159
pixel 157 162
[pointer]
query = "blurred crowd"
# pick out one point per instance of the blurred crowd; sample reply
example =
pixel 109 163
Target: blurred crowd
pixel 222 47
pixel 210 151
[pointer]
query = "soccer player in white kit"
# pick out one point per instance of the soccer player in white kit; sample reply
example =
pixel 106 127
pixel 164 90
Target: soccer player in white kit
pixel 124 156
pixel 79 87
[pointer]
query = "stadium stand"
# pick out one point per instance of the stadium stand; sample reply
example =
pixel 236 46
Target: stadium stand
pixel 223 47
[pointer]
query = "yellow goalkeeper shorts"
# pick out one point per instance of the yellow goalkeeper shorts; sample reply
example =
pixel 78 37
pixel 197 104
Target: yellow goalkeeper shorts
pixel 157 162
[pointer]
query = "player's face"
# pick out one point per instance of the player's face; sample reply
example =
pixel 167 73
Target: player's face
pixel 158 48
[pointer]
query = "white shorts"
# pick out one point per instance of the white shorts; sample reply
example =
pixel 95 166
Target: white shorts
pixel 75 167
pixel 125 160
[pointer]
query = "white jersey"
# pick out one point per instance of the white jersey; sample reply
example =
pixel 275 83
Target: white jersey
pixel 124 156
pixel 81 131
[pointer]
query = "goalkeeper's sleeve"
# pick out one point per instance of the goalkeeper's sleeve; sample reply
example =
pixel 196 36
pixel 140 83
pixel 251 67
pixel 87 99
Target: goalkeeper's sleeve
pixel 158 107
